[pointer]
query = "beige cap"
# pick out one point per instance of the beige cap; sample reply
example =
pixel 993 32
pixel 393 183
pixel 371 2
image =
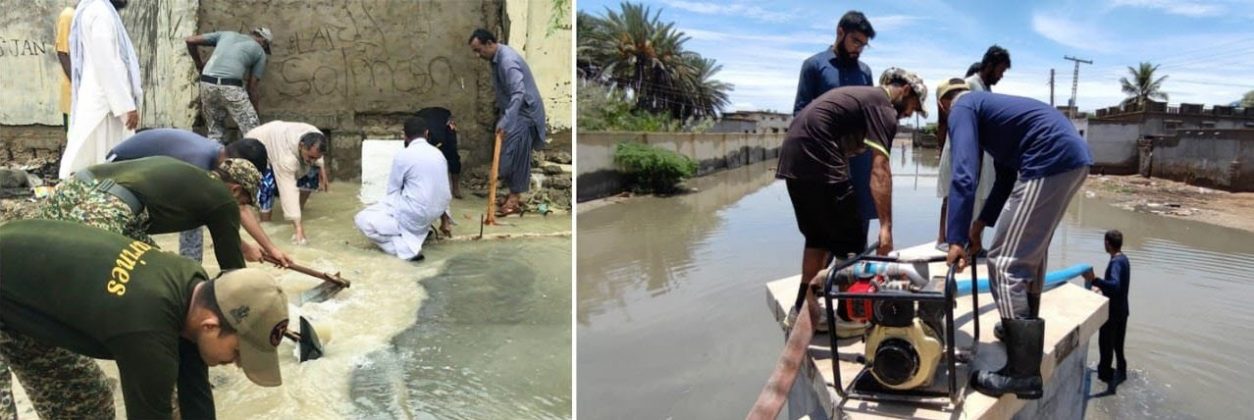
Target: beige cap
pixel 256 307
pixel 950 85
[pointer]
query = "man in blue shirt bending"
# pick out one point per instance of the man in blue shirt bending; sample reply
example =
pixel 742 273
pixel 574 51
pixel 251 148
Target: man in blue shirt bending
pixel 1115 287
pixel 1040 162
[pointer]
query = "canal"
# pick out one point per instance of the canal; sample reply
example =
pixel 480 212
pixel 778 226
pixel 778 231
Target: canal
pixel 672 322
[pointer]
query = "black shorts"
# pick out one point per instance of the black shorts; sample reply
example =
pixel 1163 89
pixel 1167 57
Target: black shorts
pixel 827 215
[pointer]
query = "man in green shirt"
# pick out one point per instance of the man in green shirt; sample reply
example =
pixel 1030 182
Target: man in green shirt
pixel 162 195
pixel 73 292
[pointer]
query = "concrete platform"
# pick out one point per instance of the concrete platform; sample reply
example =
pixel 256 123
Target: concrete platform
pixel 1072 316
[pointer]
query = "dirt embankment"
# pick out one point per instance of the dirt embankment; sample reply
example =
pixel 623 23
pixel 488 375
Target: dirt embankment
pixel 1175 199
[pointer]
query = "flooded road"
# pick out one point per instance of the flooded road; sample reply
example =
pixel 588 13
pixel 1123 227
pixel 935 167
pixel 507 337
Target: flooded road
pixel 672 320
pixel 480 329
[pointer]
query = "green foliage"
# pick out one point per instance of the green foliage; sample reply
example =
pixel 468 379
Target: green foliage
pixel 633 50
pixel 1248 100
pixel 651 169
pixel 559 20
pixel 603 109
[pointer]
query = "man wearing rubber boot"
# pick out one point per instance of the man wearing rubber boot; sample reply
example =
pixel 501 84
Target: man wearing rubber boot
pixel 1040 162
pixel 72 293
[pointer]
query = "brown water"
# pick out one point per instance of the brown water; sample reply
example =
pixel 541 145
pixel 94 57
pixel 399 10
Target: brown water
pixel 672 317
pixel 480 329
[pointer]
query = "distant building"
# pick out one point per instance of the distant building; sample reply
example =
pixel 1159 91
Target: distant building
pixel 1189 142
pixel 752 122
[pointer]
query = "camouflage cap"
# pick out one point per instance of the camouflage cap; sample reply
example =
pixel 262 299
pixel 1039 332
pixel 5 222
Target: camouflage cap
pixel 913 80
pixel 256 307
pixel 243 173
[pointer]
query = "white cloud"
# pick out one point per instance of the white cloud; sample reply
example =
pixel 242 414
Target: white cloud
pixel 1070 32
pixel 1190 8
pixel 893 23
pixel 740 10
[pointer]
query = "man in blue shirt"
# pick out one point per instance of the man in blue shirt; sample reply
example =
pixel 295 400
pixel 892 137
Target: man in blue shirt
pixel 1040 162
pixel 836 67
pixel 1115 287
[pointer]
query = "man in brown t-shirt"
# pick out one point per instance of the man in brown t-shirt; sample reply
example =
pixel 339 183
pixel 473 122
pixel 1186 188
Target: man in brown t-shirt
pixel 814 162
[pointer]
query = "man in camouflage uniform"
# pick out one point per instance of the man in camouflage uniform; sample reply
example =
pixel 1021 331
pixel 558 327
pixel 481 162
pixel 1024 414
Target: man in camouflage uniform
pixel 178 193
pixel 224 89
pixel 119 197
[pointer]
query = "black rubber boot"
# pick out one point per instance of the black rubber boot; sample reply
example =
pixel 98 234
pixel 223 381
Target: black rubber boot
pixel 1022 373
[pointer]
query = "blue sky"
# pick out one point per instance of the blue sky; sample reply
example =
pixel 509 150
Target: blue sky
pixel 1206 47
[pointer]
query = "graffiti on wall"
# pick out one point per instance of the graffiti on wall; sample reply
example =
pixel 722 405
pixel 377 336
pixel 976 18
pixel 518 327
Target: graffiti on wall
pixel 360 56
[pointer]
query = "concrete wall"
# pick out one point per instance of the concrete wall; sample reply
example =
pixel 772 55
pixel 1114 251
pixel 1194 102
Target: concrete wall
pixel 1213 158
pixel 598 176
pixel 541 32
pixel 1113 145
pixel 28 60
pixel 354 68
pixel 359 68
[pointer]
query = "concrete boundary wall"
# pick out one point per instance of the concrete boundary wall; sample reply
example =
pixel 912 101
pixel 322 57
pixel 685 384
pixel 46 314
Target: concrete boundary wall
pixel 598 176
pixel 1221 159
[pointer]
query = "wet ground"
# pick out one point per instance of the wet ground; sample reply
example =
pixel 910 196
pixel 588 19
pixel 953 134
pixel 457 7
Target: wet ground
pixel 672 322
pixel 480 329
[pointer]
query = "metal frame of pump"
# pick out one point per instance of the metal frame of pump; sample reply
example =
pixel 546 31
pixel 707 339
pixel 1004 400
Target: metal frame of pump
pixel 947 297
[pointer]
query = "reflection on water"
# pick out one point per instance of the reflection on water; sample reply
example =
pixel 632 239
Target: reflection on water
pixel 477 330
pixel 672 321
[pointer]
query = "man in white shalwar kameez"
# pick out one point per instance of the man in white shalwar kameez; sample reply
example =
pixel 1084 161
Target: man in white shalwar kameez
pixel 105 83
pixel 417 195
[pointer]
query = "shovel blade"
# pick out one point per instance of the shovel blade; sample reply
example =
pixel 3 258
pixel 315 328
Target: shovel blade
pixel 320 293
pixel 310 346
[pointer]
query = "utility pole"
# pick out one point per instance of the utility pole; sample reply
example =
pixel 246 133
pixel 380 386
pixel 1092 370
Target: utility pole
pixel 1075 80
pixel 1051 87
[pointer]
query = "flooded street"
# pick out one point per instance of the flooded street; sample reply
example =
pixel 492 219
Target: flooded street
pixel 480 329
pixel 672 321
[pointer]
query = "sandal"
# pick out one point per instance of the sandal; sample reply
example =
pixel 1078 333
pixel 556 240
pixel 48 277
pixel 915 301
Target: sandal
pixel 508 210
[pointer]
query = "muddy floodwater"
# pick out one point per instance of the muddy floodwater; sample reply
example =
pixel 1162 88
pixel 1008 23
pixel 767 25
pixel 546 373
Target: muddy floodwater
pixel 480 329
pixel 673 323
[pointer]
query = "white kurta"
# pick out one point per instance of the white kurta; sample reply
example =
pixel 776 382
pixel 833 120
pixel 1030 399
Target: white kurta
pixel 104 94
pixel 417 194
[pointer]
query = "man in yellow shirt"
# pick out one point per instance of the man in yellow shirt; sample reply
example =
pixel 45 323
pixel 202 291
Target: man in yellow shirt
pixel 63 55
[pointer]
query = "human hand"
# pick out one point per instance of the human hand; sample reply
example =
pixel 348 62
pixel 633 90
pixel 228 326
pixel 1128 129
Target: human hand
pixel 1097 290
pixel 956 256
pixel 886 241
pixel 324 186
pixel 976 236
pixel 251 252
pixel 1088 275
pixel 278 254
pixel 131 120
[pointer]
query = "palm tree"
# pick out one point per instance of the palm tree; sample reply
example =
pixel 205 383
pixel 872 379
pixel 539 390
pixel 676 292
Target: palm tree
pixel 633 50
pixel 1143 87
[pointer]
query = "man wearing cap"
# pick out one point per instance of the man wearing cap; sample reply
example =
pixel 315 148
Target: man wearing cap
pixel 814 162
pixel 158 315
pixel 222 80
pixel 208 155
pixel 1040 163
pixel 161 195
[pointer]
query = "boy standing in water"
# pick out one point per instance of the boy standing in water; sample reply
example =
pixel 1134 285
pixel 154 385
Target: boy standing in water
pixel 1115 287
